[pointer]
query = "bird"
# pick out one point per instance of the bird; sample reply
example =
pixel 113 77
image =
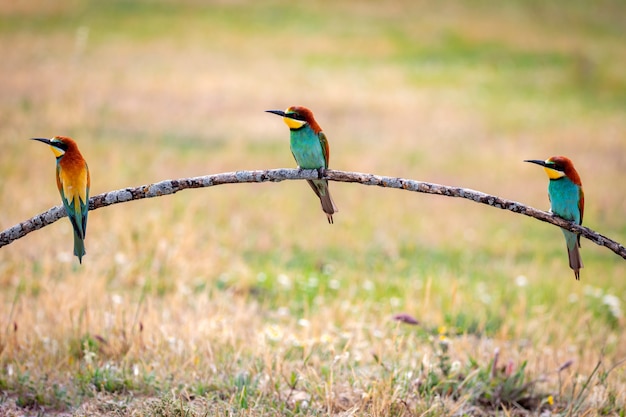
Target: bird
pixel 567 200
pixel 73 182
pixel 309 147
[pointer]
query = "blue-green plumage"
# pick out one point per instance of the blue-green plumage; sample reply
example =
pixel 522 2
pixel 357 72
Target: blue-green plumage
pixel 567 200
pixel 564 202
pixel 309 148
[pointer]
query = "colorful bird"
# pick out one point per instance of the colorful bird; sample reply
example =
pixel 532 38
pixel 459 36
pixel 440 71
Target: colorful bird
pixel 567 200
pixel 309 147
pixel 73 183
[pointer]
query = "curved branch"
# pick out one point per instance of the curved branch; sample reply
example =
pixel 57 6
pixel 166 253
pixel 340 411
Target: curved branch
pixel 275 175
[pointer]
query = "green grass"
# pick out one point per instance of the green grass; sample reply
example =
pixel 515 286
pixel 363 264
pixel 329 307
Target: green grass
pixel 240 299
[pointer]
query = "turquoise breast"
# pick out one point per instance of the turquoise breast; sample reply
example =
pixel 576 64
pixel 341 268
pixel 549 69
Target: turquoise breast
pixel 564 197
pixel 306 149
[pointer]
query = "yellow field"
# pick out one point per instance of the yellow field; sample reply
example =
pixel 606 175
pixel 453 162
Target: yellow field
pixel 241 299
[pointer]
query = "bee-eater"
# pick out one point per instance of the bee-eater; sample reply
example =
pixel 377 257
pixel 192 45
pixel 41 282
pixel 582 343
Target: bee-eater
pixel 309 147
pixel 567 200
pixel 73 183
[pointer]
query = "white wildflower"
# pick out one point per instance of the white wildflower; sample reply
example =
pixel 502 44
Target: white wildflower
pixel 483 294
pixel 334 284
pixel 614 305
pixel 119 258
pixel 64 257
pixel 284 280
pixel 313 282
pixel 341 358
pixel 273 332
pixel 521 281
pixel 592 291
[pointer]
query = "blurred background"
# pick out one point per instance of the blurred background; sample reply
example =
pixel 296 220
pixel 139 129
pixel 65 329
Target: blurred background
pixel 457 93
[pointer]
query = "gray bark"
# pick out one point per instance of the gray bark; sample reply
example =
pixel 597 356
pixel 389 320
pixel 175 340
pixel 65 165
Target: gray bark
pixel 275 175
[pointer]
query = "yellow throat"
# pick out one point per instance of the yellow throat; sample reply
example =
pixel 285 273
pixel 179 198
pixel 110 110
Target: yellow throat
pixel 553 174
pixel 293 123
pixel 56 151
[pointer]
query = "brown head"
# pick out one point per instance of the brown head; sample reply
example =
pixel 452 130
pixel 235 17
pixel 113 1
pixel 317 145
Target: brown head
pixel 296 117
pixel 60 145
pixel 557 167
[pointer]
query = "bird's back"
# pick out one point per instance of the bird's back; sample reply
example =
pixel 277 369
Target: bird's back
pixel 73 182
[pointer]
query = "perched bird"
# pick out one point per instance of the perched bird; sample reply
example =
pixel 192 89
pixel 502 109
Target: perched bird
pixel 567 200
pixel 73 183
pixel 309 147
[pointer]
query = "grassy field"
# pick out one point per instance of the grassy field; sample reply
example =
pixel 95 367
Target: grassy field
pixel 241 299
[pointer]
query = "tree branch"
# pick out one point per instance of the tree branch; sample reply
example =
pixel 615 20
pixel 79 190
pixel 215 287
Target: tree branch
pixel 275 175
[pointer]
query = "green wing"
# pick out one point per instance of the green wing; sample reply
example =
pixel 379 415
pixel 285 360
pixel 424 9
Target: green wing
pixel 76 209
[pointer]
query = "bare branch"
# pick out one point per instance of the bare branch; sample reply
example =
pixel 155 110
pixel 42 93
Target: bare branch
pixel 275 175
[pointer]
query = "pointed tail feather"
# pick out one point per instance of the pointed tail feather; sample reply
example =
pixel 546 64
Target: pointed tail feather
pixel 572 240
pixel 320 187
pixel 575 261
pixel 79 247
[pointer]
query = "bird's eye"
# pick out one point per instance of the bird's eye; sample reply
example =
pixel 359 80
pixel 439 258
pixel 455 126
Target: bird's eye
pixel 555 166
pixel 58 143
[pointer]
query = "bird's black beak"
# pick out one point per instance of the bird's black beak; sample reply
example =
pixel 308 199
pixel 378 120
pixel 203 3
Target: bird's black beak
pixel 278 112
pixel 44 140
pixel 536 161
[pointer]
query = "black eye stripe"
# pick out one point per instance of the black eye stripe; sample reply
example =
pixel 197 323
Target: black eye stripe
pixel 555 166
pixel 296 116
pixel 59 144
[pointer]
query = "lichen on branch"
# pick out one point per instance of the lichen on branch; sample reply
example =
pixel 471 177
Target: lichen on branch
pixel 168 187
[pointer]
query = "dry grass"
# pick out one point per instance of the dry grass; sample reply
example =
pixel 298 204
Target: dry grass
pixel 241 299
